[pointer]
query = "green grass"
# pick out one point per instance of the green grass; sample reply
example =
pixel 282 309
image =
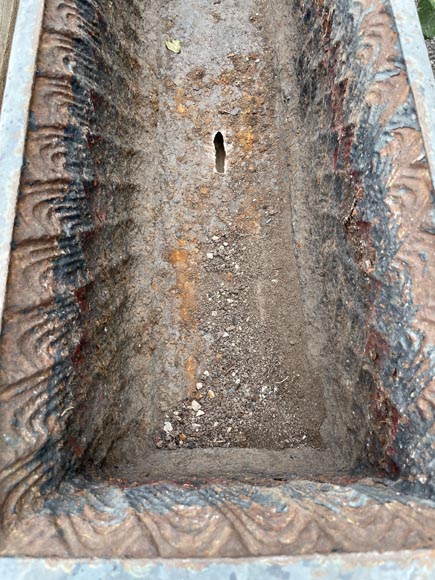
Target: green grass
pixel 426 12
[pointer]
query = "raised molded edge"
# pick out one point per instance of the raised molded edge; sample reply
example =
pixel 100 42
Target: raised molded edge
pixel 13 122
pixel 398 566
pixel 419 71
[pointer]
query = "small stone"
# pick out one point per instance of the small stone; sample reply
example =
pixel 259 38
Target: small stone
pixel 172 445
pixel 195 406
pixel 206 373
pixel 235 111
pixel 214 313
pixel 200 413
pixel 196 426
pixel 199 386
pixel 211 394
pixel 210 256
pixel 183 437
pixel 215 238
pixel 167 427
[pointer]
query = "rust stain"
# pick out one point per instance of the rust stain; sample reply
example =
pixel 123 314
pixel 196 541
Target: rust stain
pixel 184 261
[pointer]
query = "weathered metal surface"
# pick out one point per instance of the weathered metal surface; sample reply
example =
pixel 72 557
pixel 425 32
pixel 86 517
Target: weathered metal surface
pixel 224 519
pixel 8 10
pixel 379 151
pixel 13 122
pixel 393 158
pixel 381 172
pixel 419 71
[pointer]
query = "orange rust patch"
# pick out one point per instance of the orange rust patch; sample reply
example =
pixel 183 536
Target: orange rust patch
pixel 183 260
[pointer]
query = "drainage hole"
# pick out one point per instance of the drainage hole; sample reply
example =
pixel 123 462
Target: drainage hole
pixel 219 148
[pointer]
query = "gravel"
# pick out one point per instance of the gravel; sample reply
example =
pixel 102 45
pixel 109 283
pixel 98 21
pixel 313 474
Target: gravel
pixel 431 50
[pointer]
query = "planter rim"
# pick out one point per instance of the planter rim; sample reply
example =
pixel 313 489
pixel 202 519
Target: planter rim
pixel 13 122
pixel 369 566
pixel 420 75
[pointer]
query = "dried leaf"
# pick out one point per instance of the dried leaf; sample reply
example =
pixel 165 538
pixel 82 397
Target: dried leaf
pixel 173 45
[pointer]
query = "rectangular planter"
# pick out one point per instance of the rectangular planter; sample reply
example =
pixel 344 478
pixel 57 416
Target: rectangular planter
pixel 100 128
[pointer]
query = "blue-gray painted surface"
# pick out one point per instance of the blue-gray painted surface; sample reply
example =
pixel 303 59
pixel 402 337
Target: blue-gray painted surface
pixel 13 122
pixel 419 71
pixel 418 565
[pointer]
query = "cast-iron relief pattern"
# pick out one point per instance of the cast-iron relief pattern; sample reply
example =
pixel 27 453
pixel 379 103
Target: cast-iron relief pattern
pixel 42 329
pixel 385 191
pixel 394 214
pixel 223 520
pixel 41 325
